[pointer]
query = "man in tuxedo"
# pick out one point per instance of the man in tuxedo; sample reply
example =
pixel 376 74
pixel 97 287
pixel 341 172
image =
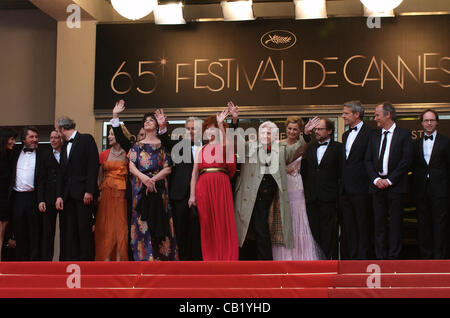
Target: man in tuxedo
pixel 76 186
pixel 354 195
pixel 186 224
pixel 387 160
pixel 48 173
pixel 25 214
pixel 431 187
pixel 320 170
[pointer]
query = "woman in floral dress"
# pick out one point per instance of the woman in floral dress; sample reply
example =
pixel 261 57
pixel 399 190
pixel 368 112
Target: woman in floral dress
pixel 152 231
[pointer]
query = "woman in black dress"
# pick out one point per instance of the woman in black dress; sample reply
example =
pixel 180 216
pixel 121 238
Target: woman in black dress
pixel 7 142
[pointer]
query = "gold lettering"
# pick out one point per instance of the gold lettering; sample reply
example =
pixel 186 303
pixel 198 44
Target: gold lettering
pixel 282 79
pixel 228 60
pixel 197 74
pixel 217 76
pixel 269 60
pixel 425 68
pixel 401 67
pixel 444 69
pixel 304 74
pixel 334 58
pixel 383 66
pixel 254 79
pixel 148 73
pixel 366 77
pixel 178 78
pixel 345 69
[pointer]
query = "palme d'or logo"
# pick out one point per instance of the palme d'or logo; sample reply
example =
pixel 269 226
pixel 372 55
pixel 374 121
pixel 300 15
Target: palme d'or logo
pixel 278 40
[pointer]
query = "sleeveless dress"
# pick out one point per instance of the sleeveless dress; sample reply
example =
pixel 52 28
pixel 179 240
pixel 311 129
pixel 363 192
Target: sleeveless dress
pixel 111 228
pixel 215 205
pixel 145 246
pixel 305 247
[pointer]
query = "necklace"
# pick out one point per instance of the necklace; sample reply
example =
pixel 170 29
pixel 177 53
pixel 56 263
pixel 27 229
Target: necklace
pixel 118 154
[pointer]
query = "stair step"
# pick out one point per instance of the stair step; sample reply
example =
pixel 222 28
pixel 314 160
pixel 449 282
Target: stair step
pixel 402 266
pixel 172 281
pixel 395 292
pixel 164 293
pixel 393 280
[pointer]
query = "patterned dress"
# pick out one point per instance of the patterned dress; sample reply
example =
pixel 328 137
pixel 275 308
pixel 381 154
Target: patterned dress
pixel 150 160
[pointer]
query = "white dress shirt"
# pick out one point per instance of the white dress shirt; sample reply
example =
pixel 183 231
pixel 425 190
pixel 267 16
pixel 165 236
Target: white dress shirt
pixel 351 138
pixel 321 150
pixel 57 155
pixel 428 147
pixel 386 152
pixel 26 165
pixel 69 145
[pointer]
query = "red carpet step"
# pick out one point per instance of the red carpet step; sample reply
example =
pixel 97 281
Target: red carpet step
pixel 295 279
pixel 168 279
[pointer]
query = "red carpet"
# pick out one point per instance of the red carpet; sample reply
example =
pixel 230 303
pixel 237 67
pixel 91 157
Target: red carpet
pixel 317 279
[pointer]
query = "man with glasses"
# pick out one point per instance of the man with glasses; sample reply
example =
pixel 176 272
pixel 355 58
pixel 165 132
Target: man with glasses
pixel 320 170
pixel 431 184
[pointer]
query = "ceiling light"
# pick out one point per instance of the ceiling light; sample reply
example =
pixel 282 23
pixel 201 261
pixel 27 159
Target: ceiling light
pixel 237 10
pixel 310 9
pixel 381 5
pixel 134 9
pixel 171 13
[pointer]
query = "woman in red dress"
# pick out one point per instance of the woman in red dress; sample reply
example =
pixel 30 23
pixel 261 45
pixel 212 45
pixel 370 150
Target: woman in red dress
pixel 211 192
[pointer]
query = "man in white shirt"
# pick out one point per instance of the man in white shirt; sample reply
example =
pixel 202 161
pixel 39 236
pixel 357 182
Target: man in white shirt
pixel 387 160
pixel 431 187
pixel 354 190
pixel 26 218
pixel 76 188
pixel 321 170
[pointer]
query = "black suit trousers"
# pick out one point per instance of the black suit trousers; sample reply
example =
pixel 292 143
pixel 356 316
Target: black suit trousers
pixel 432 217
pixel 355 219
pixel 48 232
pixel 387 204
pixel 77 231
pixel 187 230
pixel 27 224
pixel 322 221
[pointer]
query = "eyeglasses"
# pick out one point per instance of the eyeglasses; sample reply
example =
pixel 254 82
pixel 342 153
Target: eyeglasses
pixel 319 128
pixel 429 120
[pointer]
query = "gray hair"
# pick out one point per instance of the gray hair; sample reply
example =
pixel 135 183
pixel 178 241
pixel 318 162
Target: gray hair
pixel 65 122
pixel 268 124
pixel 356 107
pixel 389 108
pixel 192 118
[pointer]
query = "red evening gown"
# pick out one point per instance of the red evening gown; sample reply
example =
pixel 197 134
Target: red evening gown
pixel 215 205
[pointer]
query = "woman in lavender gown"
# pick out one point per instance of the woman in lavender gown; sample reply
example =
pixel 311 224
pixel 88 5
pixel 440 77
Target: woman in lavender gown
pixel 305 248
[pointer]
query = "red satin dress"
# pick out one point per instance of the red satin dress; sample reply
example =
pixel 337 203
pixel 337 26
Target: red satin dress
pixel 215 205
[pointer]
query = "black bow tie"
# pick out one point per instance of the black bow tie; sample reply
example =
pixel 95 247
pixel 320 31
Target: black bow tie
pixel 354 128
pixel 71 140
pixel 425 137
pixel 28 150
pixel 324 144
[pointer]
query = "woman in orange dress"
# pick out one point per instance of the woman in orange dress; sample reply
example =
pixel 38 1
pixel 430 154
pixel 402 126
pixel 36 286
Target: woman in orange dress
pixel 111 227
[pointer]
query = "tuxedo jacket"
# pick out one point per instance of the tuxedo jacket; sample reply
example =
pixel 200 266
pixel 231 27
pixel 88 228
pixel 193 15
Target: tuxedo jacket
pixel 354 178
pixel 321 181
pixel 399 161
pixel 437 169
pixel 78 173
pixel 180 178
pixel 48 175
pixel 15 159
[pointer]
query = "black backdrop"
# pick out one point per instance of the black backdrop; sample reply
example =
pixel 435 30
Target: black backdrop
pixel 273 62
